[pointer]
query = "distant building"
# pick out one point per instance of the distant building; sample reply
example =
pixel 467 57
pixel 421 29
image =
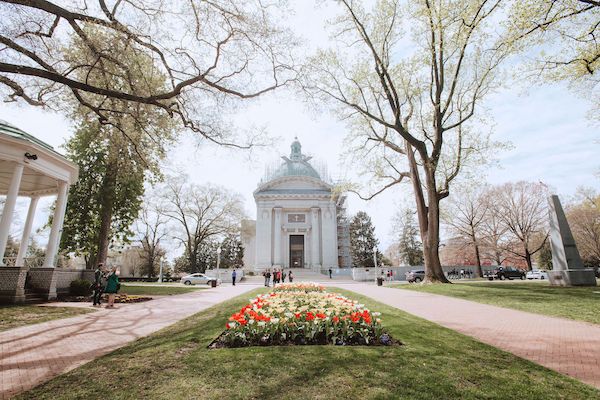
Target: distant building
pixel 301 222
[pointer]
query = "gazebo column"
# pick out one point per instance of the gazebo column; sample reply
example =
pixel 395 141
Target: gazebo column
pixel 277 259
pixel 57 222
pixel 9 208
pixel 26 231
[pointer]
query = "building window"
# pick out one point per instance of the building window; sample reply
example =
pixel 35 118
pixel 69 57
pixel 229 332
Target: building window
pixel 296 218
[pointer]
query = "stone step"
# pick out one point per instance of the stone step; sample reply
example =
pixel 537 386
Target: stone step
pixel 32 296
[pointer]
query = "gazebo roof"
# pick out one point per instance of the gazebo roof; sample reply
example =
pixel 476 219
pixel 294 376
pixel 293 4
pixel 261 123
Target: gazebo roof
pixel 17 133
pixel 44 166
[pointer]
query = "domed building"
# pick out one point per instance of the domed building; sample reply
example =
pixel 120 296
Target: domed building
pixel 297 215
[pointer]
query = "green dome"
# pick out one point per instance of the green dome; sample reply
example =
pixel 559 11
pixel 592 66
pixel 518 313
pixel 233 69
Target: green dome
pixel 296 165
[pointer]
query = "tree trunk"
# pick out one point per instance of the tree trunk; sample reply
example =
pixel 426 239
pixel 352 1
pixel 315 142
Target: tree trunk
pixel 108 198
pixel 478 260
pixel 431 242
pixel 477 256
pixel 429 219
pixel 528 259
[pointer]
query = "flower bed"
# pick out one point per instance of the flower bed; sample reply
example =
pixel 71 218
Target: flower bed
pixel 129 298
pixel 299 287
pixel 119 298
pixel 299 314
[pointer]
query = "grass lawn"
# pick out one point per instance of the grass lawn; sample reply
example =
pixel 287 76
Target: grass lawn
pixel 158 290
pixel 435 363
pixel 580 303
pixel 15 316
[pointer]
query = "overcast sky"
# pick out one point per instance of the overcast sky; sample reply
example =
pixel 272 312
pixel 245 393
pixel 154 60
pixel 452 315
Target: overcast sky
pixel 552 141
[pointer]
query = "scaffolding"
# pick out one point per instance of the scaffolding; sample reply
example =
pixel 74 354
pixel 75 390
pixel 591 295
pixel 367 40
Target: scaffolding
pixel 343 233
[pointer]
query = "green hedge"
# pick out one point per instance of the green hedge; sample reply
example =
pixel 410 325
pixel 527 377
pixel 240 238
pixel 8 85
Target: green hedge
pixel 80 287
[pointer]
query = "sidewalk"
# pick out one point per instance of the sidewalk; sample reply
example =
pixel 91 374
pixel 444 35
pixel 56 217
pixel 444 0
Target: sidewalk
pixel 33 354
pixel 569 347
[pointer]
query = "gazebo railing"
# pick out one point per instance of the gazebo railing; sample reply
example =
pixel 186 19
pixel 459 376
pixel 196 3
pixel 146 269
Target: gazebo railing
pixel 29 262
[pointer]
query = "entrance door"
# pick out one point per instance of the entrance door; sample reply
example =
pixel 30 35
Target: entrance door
pixel 297 251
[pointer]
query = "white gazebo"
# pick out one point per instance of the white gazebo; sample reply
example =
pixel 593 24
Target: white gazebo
pixel 30 168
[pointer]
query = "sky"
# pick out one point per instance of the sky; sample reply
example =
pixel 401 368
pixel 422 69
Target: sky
pixel 551 141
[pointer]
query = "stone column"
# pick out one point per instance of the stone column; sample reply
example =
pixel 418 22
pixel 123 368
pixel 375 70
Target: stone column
pixel 315 230
pixel 57 223
pixel 9 208
pixel 277 259
pixel 26 231
pixel 263 238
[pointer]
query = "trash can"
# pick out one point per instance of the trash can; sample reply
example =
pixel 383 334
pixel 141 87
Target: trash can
pixel 379 281
pixel 213 283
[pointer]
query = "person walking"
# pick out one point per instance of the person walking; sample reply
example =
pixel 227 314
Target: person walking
pixel 283 275
pixel 98 286
pixel 112 287
pixel 291 277
pixel 330 273
pixel 233 276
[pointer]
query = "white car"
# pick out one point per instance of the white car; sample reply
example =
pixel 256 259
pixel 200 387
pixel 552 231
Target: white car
pixel 195 279
pixel 537 274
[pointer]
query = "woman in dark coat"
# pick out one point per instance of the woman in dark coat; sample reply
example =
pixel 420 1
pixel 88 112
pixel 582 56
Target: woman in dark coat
pixel 112 287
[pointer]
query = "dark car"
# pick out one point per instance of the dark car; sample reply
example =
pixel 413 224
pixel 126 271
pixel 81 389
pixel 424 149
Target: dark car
pixel 415 275
pixel 503 273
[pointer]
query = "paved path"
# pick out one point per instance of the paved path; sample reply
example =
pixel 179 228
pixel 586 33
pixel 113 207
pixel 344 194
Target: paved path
pixel 33 354
pixel 569 347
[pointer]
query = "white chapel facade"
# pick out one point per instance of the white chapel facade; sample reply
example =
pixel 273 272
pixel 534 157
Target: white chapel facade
pixel 296 219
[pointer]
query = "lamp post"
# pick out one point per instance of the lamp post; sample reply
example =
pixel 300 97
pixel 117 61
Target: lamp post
pixel 218 261
pixel 375 262
pixel 160 270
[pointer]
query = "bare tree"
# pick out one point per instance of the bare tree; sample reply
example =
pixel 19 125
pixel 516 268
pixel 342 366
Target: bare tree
pixel 465 214
pixel 201 213
pixel 411 116
pixel 211 53
pixel 494 231
pixel 584 220
pixel 523 209
pixel 151 228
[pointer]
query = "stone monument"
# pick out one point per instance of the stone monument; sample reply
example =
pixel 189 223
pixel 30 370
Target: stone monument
pixel 567 267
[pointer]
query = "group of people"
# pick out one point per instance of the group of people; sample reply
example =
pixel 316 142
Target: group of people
pixel 460 274
pixel 105 281
pixel 387 275
pixel 278 276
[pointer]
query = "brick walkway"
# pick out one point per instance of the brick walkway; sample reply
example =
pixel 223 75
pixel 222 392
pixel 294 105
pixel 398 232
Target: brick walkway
pixel 569 347
pixel 33 354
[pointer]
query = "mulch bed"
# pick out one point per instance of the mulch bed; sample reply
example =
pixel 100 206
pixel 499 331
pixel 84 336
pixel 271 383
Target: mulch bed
pixel 385 340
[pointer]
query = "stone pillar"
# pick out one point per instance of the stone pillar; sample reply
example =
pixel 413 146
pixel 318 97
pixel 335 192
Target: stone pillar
pixel 9 208
pixel 277 259
pixel 263 237
pixel 26 231
pixel 57 222
pixel 315 230
pixel 567 267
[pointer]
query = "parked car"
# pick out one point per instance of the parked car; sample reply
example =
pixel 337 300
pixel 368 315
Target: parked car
pixel 503 273
pixel 537 274
pixel 195 279
pixel 415 275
